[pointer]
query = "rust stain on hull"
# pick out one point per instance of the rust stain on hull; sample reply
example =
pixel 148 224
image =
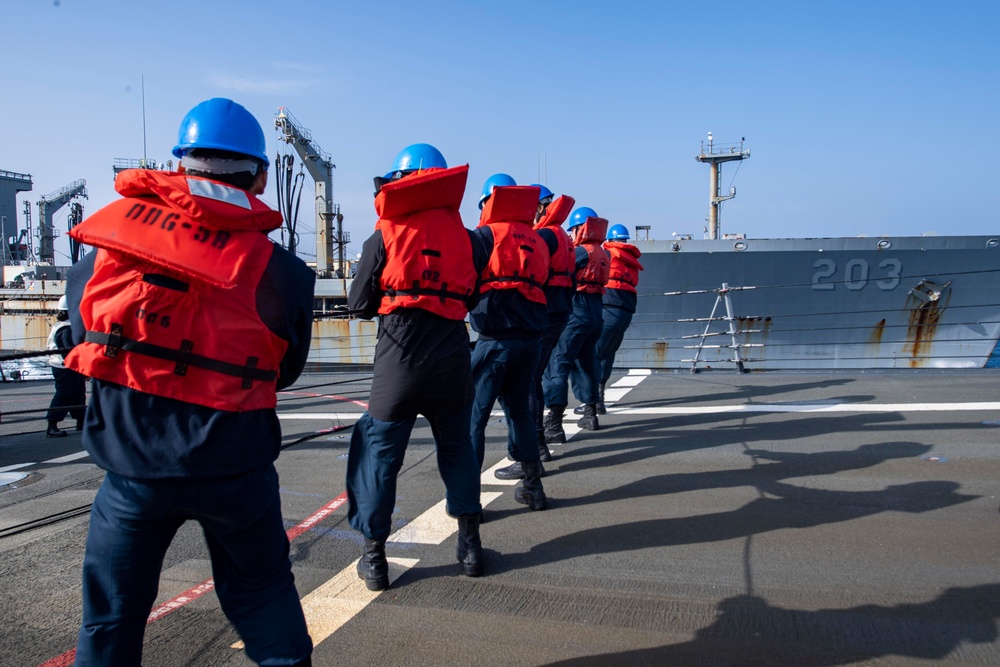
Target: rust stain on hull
pixel 877 332
pixel 660 349
pixel 922 327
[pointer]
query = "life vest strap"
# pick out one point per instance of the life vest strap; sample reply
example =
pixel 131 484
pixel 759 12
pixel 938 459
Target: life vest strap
pixel 115 342
pixel 513 279
pixel 417 290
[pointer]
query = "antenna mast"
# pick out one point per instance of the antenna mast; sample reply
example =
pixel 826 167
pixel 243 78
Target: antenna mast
pixel 714 156
pixel 142 85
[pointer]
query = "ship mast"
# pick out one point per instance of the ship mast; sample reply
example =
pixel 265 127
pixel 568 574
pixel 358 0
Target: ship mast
pixel 714 156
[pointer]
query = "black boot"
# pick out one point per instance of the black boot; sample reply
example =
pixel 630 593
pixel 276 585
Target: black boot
pixel 514 471
pixel 601 410
pixel 544 454
pixel 589 418
pixel 54 431
pixel 373 567
pixel 529 491
pixel 553 425
pixel 469 550
pixel 79 424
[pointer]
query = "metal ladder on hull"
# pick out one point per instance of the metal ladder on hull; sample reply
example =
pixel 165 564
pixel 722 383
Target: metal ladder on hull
pixel 722 297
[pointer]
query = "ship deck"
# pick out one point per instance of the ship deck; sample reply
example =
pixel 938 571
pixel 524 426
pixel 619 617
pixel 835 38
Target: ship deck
pixel 786 518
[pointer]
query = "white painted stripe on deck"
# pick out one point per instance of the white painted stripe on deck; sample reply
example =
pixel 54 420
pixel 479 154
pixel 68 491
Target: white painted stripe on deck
pixel 629 381
pixel 434 526
pixel 69 457
pixel 834 407
pixel 18 466
pixel 341 598
pixel 612 395
pixel 615 394
pixel 337 601
pixel 339 416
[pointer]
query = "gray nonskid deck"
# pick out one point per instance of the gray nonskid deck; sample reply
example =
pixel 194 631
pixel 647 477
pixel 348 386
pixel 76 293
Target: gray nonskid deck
pixel 716 519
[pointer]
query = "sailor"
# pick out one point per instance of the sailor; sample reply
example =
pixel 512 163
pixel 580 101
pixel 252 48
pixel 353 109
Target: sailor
pixel 510 318
pixel 71 387
pixel 189 319
pixel 549 216
pixel 418 274
pixel 619 303
pixel 575 352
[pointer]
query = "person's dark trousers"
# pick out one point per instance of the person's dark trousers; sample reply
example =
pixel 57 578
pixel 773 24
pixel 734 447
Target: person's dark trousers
pixel 577 346
pixel 505 368
pixel 536 400
pixel 376 456
pixel 616 321
pixel 70 395
pixel 575 356
pixel 132 522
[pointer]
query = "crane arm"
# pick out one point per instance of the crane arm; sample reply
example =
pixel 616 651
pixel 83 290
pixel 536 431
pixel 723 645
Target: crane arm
pixel 316 161
pixel 56 200
pixel 47 207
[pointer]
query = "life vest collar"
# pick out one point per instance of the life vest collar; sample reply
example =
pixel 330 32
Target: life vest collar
pixel 511 203
pixel 203 201
pixel 592 230
pixel 557 212
pixel 624 252
pixel 423 190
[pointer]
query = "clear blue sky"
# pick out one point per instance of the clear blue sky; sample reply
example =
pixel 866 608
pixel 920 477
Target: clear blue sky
pixel 863 117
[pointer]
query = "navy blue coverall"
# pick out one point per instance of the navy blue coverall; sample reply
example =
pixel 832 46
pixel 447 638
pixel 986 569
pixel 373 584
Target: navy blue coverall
pixel 422 367
pixel 576 350
pixel 619 306
pixel 505 359
pixel 169 461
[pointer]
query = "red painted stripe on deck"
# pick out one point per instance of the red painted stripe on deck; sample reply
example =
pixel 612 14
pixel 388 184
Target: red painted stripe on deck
pixel 335 397
pixel 195 592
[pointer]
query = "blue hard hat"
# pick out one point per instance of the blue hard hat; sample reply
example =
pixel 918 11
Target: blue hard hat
pixel 494 181
pixel 545 193
pixel 617 232
pixel 415 157
pixel 221 124
pixel 580 215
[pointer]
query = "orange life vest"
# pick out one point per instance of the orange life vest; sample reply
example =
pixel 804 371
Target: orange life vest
pixel 428 250
pixel 563 261
pixel 625 266
pixel 170 309
pixel 520 257
pixel 589 236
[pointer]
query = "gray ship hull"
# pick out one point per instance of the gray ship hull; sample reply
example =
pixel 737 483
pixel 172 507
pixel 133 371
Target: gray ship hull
pixel 836 303
pixel 797 304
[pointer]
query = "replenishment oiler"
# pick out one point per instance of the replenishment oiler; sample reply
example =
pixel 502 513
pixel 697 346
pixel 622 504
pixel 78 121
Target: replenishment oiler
pixel 725 301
